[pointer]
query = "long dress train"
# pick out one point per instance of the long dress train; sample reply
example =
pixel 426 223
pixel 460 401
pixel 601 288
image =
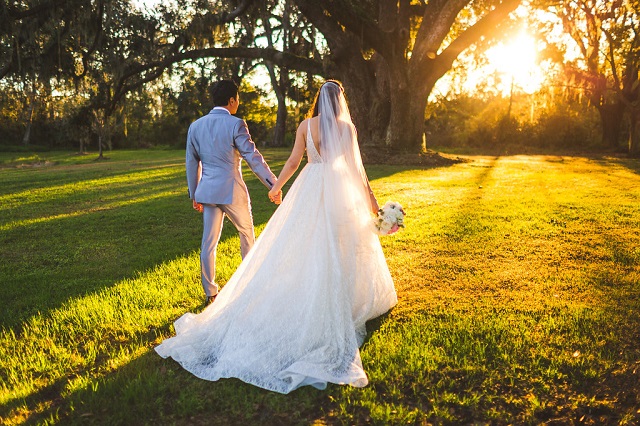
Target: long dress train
pixel 294 312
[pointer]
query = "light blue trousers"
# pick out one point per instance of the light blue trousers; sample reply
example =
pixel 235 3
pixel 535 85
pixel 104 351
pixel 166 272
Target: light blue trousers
pixel 213 216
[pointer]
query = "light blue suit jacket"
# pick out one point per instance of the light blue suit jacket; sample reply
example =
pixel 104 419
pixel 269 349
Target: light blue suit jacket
pixel 220 141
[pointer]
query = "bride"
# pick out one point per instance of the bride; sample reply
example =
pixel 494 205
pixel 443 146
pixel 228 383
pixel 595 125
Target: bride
pixel 294 312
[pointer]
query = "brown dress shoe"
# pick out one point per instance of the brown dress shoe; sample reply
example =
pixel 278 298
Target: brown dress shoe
pixel 209 300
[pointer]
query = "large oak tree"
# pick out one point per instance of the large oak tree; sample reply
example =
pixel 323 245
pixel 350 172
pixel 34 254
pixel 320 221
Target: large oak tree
pixel 389 53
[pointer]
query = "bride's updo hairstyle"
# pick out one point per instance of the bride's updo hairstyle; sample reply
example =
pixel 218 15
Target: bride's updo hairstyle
pixel 333 87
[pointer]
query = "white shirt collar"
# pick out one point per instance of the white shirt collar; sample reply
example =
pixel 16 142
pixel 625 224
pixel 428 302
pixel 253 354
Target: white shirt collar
pixel 222 108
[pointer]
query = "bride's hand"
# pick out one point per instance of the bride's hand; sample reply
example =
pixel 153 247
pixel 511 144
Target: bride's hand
pixel 275 196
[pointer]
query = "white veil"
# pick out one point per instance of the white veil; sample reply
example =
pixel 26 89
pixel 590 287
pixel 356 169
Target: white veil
pixel 345 177
pixel 350 236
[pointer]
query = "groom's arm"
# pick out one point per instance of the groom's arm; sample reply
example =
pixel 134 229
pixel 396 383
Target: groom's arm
pixel 252 156
pixel 192 163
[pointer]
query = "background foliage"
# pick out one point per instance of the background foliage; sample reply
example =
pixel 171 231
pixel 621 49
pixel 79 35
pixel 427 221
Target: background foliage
pixel 111 74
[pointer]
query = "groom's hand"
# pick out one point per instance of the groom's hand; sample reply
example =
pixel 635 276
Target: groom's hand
pixel 197 206
pixel 275 196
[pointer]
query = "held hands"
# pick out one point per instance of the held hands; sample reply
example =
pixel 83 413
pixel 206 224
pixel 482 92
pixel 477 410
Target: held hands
pixel 275 195
pixel 197 206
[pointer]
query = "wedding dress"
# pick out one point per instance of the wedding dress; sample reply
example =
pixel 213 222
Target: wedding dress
pixel 294 312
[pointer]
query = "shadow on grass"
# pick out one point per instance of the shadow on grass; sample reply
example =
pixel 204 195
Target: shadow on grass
pixel 150 389
pixel 54 261
pixel 631 164
pixel 373 326
pixel 616 388
pixel 505 367
pixel 22 180
pixel 23 408
pixel 618 277
pixel 461 224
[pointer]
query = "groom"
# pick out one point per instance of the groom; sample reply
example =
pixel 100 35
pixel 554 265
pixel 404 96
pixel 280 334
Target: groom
pixel 215 145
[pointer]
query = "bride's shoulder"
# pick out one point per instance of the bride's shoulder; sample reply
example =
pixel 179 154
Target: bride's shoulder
pixel 302 128
pixel 304 124
pixel 346 125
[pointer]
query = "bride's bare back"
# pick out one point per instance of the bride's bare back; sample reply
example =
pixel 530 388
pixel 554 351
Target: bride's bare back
pixel 314 124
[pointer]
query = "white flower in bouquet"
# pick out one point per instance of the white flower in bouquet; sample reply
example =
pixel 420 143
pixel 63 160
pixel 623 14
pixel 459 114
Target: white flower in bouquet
pixel 390 219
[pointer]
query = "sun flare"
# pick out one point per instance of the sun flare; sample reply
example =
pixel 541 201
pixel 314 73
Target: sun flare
pixel 517 60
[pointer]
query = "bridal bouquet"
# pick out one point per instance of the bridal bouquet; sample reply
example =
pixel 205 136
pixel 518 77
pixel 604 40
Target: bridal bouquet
pixel 390 219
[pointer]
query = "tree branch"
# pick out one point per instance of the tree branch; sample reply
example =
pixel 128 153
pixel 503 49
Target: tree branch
pixel 123 89
pixel 437 20
pixel 213 19
pixel 573 31
pixel 418 9
pixel 35 10
pixel 333 28
pixel 368 30
pixel 282 59
pixel 611 58
pixel 334 34
pixel 240 9
pixel 481 28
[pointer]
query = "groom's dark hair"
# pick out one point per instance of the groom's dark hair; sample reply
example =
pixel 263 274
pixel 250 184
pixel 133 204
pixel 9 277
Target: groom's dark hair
pixel 222 91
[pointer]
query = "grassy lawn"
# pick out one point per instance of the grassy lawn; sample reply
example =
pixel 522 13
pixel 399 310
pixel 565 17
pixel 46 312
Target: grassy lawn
pixel 518 280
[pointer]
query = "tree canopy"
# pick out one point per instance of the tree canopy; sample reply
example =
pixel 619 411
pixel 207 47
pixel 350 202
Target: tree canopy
pixel 389 54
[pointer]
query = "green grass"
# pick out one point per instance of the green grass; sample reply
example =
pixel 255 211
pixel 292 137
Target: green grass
pixel 518 280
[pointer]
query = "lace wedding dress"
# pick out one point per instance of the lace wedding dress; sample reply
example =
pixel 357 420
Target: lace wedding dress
pixel 294 312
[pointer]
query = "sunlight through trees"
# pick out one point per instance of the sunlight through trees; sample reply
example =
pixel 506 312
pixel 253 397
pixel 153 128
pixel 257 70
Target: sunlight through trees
pixel 84 74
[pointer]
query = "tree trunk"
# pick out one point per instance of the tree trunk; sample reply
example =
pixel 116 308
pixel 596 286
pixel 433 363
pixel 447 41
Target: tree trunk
pixel 394 114
pixel 409 94
pixel 281 124
pixel 379 108
pixel 367 95
pixel 611 116
pixel 634 132
pixel 27 133
pixel 281 116
pixel 387 109
pixel 369 113
pixel 100 122
pixel 100 156
pixel 406 127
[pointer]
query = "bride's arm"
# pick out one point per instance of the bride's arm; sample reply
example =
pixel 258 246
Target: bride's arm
pixel 293 162
pixel 373 202
pixel 372 198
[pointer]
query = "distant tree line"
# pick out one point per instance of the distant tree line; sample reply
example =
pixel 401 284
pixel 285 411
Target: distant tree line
pixel 102 73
